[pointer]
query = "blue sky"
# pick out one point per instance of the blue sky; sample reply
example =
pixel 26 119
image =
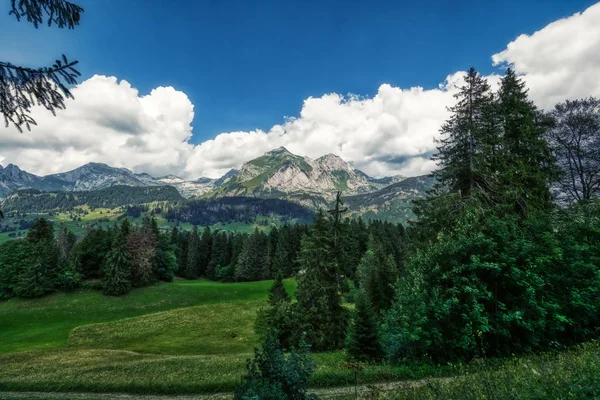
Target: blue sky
pixel 195 88
pixel 247 64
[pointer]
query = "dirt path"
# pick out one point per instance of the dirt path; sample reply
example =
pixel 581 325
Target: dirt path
pixel 344 392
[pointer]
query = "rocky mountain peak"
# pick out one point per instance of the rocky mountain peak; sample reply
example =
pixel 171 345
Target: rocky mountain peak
pixel 277 151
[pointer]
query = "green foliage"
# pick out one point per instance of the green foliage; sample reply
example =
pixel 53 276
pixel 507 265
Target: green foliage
pixel 377 277
pixel 492 287
pixel 164 260
pixel 252 264
pixel 278 318
pixel 319 310
pixel 274 376
pixel 88 255
pixel 34 201
pixel 42 229
pixel 363 336
pixel 277 292
pixel 465 145
pixel 117 271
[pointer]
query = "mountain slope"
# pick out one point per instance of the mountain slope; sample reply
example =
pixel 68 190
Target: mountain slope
pixel 94 176
pixel 392 203
pixel 35 201
pixel 13 178
pixel 281 174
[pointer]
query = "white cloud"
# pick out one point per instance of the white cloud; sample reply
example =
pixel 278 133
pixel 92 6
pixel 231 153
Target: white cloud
pixel 107 122
pixel 559 61
pixel 390 133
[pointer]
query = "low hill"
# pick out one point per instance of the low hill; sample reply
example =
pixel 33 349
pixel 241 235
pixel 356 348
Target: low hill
pixel 35 201
pixel 392 203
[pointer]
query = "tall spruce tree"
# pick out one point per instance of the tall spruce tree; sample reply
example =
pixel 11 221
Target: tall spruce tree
pixel 466 139
pixel 319 304
pixel 363 339
pixel 526 164
pixel 204 248
pixel 277 292
pixel 117 269
pixel 192 270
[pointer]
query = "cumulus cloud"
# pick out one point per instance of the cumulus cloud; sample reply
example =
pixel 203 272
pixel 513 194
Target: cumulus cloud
pixel 389 133
pixel 559 61
pixel 106 122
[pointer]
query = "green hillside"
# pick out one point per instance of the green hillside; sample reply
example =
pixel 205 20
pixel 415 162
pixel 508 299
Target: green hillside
pixel 180 337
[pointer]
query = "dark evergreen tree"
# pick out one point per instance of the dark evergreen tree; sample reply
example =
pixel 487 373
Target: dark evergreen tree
pixel 117 270
pixel 219 253
pixel 20 87
pixel 88 255
pixel 319 306
pixel 277 292
pixel 466 137
pixel 252 262
pixel 525 164
pixel 274 376
pixel 164 260
pixel 41 230
pixel 363 338
pixel 204 248
pixel 192 270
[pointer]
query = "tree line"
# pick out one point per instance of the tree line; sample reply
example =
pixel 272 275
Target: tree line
pixel 125 256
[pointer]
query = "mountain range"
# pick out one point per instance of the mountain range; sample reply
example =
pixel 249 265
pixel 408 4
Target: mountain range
pixel 276 174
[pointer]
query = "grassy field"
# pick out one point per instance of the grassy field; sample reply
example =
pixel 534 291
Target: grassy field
pixel 180 337
pixel 573 374
pixel 46 323
pixel 106 217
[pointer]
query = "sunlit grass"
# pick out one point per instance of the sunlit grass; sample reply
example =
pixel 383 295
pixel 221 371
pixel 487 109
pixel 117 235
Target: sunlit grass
pixel 46 322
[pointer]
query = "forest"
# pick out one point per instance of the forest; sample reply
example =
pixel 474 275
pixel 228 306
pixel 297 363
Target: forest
pixel 502 259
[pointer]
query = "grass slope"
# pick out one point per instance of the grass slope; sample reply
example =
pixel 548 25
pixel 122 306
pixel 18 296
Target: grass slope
pixel 46 323
pixel 181 337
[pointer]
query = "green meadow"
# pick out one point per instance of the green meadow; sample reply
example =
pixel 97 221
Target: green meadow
pixel 180 337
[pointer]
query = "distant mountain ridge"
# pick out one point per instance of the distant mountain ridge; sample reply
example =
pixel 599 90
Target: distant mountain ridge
pixel 277 174
pixel 280 174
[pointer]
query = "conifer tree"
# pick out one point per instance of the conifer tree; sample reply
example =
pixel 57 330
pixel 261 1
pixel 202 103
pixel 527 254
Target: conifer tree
pixel 274 376
pixel 141 244
pixel 363 339
pixel 466 138
pixel 204 248
pixel 526 165
pixel 117 269
pixel 193 255
pixel 277 292
pixel 219 254
pixel 319 300
pixel 125 228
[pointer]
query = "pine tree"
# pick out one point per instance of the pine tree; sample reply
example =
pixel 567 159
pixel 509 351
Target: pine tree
pixel 252 263
pixel 277 292
pixel 204 249
pixel 526 165
pixel 363 339
pixel 141 244
pixel 21 88
pixel 274 376
pixel 125 228
pixel 117 270
pixel 319 300
pixel 192 270
pixel 465 145
pixel 219 254
pixel 42 229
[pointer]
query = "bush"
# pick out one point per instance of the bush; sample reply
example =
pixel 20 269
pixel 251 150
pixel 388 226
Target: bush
pixel 274 376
